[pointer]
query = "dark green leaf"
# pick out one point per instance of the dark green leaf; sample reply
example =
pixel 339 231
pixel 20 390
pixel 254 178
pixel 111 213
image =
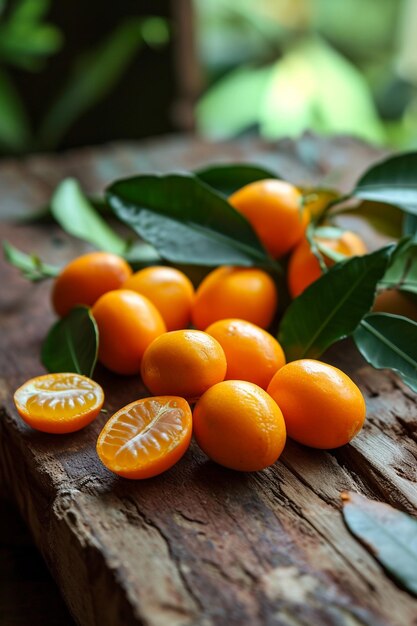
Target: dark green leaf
pixel 229 177
pixel 92 78
pixel 29 11
pixel 73 211
pixel 389 535
pixel 384 218
pixel 410 225
pixel 30 265
pixel 14 126
pixel 393 181
pixel 24 38
pixel 402 270
pixel 389 342
pixel 72 344
pixel 186 221
pixel 332 307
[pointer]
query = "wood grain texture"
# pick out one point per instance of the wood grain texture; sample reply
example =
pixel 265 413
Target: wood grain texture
pixel 200 545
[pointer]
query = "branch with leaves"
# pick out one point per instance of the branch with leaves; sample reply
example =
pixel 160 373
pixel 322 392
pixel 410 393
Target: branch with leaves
pixel 186 219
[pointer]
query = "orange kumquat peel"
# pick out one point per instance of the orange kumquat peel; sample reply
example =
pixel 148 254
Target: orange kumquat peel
pixel 59 403
pixel 274 208
pixel 146 437
pixel 86 278
pixel 252 353
pixel 247 293
pixel 169 290
pixel 183 363
pixel 321 405
pixel 238 425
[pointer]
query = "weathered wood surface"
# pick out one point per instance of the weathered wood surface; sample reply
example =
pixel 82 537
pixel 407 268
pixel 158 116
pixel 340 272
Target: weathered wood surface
pixel 199 545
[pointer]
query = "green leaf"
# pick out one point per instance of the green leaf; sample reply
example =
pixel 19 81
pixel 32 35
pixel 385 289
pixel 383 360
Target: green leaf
pixel 389 535
pixel 332 307
pixel 29 11
pixel 72 343
pixel 232 105
pixel 141 254
pixel 186 221
pixel 24 38
pixel 93 77
pixel 384 218
pixel 76 215
pixel 392 181
pixel 410 225
pixel 389 341
pixel 14 126
pixel 229 177
pixel 30 265
pixel 402 269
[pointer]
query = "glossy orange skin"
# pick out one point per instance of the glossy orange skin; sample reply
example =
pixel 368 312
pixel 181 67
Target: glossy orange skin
pixel 183 363
pixel 87 278
pixel 274 208
pixel 252 354
pixel 245 293
pixel 127 324
pixel 322 406
pixel 164 438
pixel 304 268
pixel 44 403
pixel 169 290
pixel 238 425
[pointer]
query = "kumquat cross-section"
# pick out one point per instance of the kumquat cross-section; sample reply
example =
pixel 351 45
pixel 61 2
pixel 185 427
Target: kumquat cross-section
pixel 146 437
pixel 59 403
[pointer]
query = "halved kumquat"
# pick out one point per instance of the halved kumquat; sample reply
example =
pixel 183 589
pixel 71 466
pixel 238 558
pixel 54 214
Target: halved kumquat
pixel 146 437
pixel 59 403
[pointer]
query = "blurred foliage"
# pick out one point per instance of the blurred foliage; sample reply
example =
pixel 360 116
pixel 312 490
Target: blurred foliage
pixel 26 42
pixel 284 66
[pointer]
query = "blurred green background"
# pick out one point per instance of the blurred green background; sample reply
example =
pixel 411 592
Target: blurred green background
pixel 332 66
pixel 75 73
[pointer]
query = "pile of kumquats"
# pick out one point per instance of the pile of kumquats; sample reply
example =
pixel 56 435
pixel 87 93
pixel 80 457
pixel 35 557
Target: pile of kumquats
pixel 208 348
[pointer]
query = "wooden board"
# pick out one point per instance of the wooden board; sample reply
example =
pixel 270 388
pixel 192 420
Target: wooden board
pixel 200 544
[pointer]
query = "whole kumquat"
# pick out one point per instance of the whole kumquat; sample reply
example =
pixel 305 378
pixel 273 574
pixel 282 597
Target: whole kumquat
pixel 396 302
pixel 59 403
pixel 169 290
pixel 87 278
pixel 304 268
pixel 238 425
pixel 183 363
pixel 245 293
pixel 275 210
pixel 321 405
pixel 146 437
pixel 127 324
pixel 252 354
